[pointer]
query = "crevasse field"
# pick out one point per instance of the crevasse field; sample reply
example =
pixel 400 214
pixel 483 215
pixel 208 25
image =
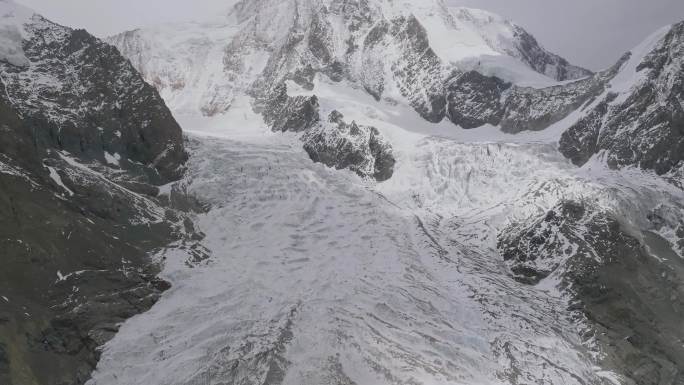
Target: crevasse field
pixel 313 270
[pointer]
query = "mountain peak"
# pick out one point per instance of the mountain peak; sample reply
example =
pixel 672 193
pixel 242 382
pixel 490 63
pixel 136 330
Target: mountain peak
pixel 509 39
pixel 393 49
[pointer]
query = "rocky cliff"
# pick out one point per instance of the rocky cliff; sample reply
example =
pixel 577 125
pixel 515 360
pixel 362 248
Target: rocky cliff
pixel 630 301
pixel 639 121
pixel 86 144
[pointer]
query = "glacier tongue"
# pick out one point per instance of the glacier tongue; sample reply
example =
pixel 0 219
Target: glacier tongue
pixel 318 277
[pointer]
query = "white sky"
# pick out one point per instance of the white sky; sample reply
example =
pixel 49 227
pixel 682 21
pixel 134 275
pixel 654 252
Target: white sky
pixel 591 33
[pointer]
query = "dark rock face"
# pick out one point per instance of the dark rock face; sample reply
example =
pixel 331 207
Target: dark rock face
pixel 579 143
pixel 632 300
pixel 350 146
pixel 418 72
pixel 545 62
pixel 645 127
pixel 284 113
pixel 94 103
pixel 530 109
pixel 381 151
pixel 334 142
pixel 474 99
pixel 84 145
pixel 541 248
pixel 73 270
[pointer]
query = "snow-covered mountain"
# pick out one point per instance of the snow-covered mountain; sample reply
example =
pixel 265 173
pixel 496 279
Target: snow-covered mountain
pixel 383 46
pixel 411 52
pixel 639 119
pixel 507 38
pixel 484 256
pixel 481 214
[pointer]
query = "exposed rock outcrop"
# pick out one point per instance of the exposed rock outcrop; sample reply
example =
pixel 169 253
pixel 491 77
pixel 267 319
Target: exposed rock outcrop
pixel 474 99
pixel 333 142
pixel 81 96
pixel 631 300
pixel 285 113
pixel 350 146
pixel 523 46
pixel 641 121
pixel 85 145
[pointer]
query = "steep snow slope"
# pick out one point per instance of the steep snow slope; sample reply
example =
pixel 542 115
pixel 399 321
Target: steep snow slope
pixel 185 62
pixel 509 39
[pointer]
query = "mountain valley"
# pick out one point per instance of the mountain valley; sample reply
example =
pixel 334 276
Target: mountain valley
pixel 338 192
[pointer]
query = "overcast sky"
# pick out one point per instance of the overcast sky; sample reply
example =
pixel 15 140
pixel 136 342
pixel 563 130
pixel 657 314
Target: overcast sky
pixel 591 33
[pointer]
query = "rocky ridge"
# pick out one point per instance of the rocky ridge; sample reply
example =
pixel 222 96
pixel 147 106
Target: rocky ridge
pixel 397 52
pixel 639 121
pixel 331 141
pixel 629 300
pixel 86 149
pixel 393 52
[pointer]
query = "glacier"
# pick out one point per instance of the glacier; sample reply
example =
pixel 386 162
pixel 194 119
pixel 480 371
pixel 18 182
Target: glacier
pixel 305 274
pixel 320 276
